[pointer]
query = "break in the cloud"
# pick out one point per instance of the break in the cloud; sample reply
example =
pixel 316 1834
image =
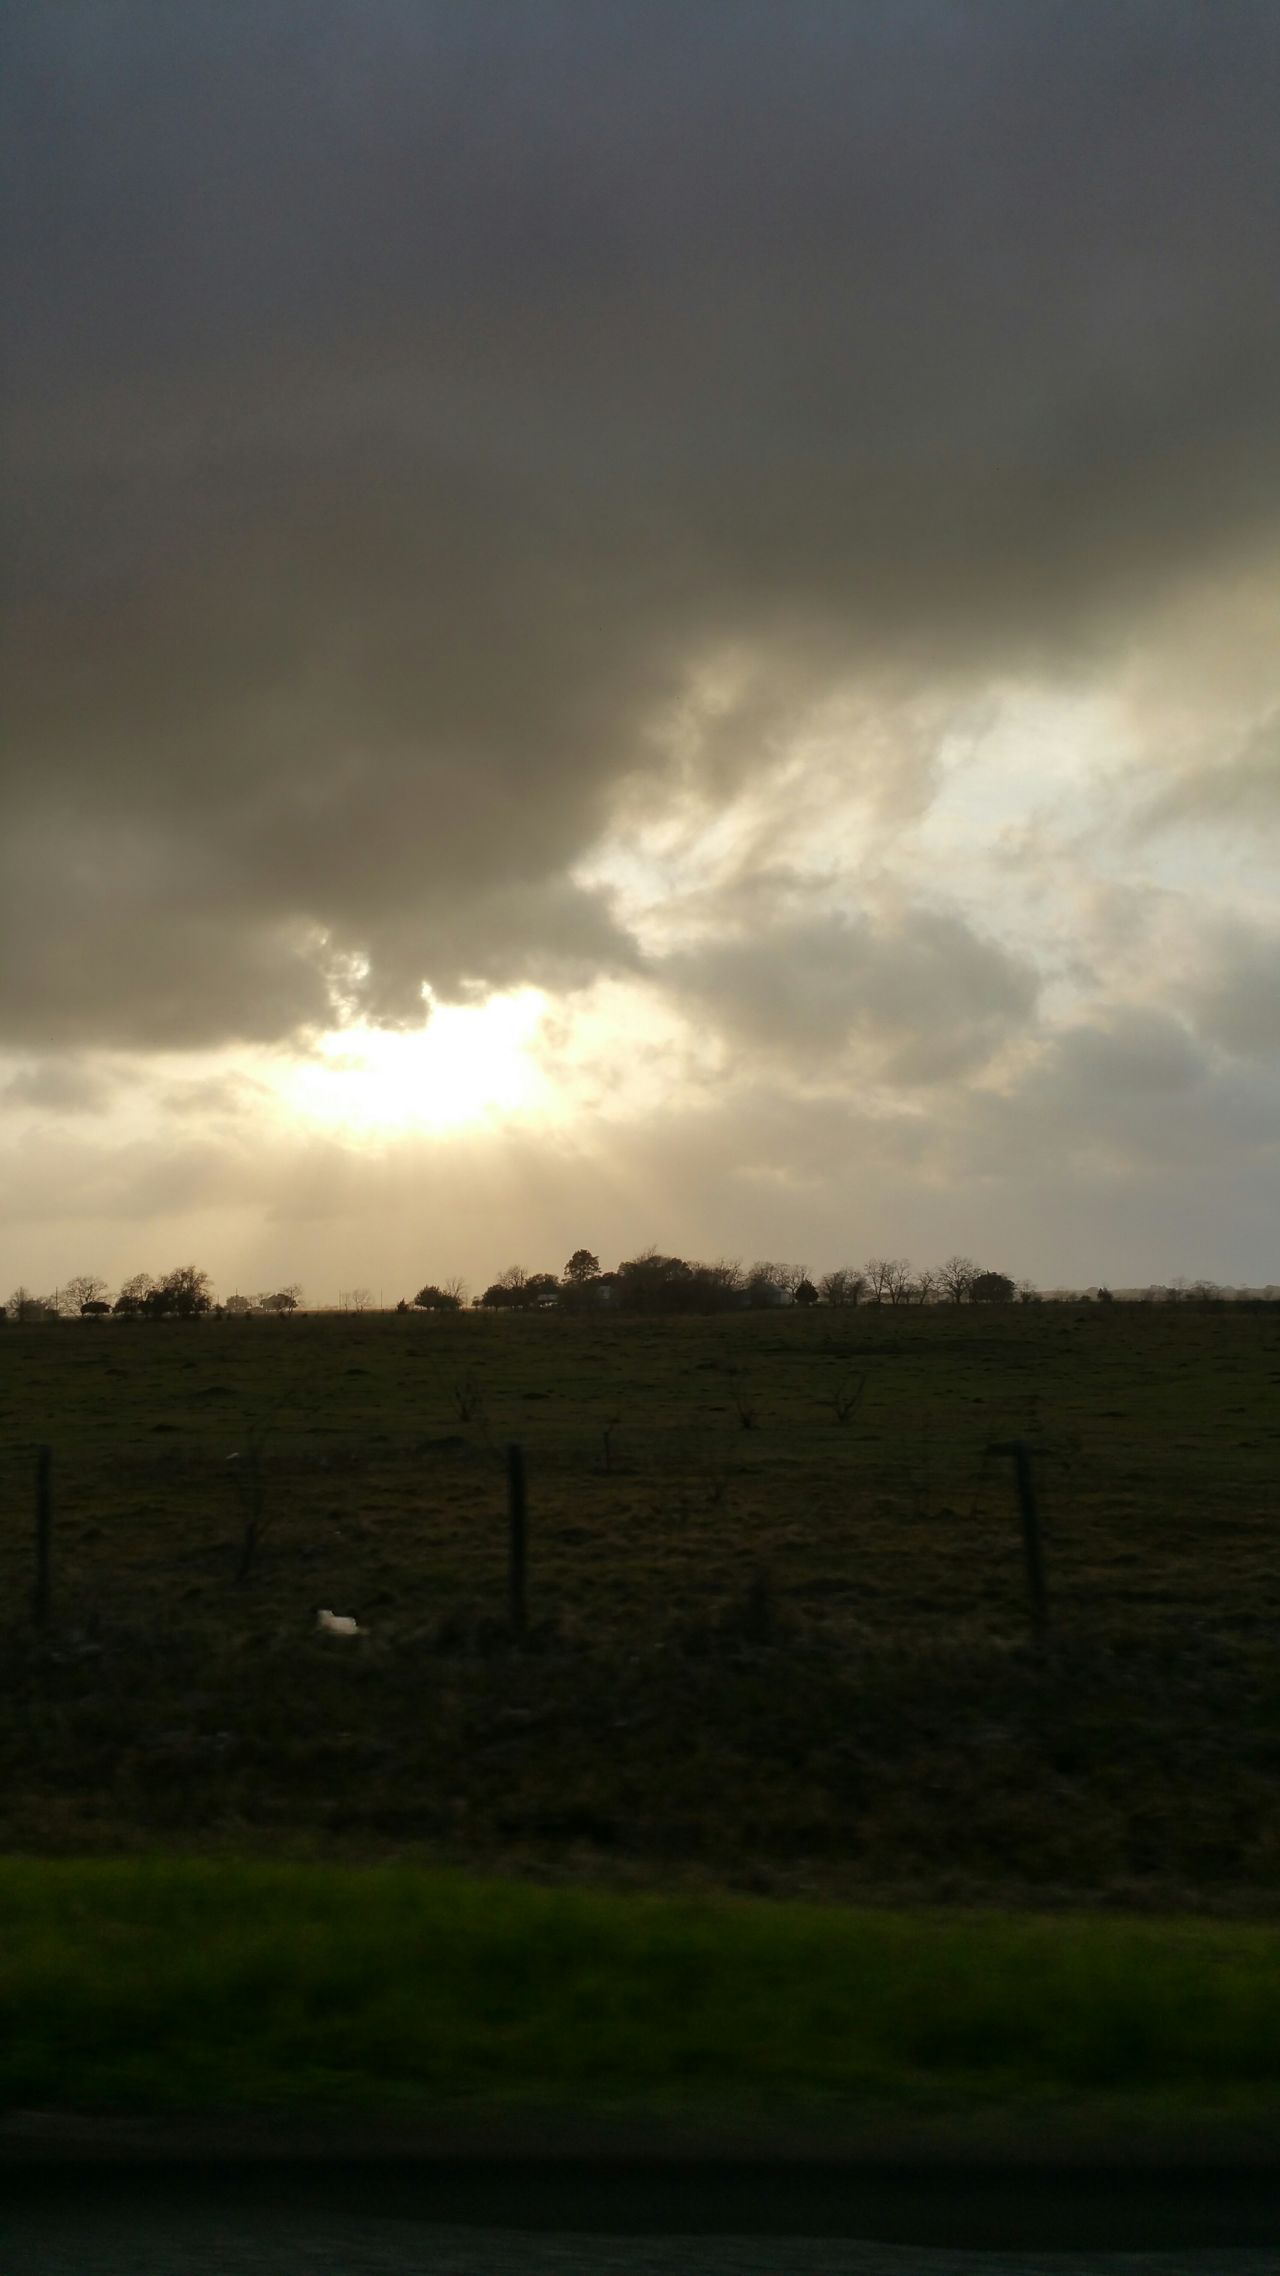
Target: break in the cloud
pixel 769 515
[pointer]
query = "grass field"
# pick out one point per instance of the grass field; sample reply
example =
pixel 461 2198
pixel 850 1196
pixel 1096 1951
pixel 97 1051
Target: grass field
pixel 791 1656
pixel 187 1986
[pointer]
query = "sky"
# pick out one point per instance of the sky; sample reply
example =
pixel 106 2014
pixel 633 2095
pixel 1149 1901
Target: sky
pixel 632 622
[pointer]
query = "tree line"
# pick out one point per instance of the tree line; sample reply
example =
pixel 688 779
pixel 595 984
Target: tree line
pixel 651 1282
pixel 654 1282
pixel 186 1293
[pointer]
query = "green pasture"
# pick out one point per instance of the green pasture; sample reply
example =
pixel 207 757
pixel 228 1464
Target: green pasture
pixel 163 1986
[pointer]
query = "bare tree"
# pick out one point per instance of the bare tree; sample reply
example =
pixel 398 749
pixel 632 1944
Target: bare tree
pixel 769 1283
pixel 468 1398
pixel 246 1471
pixel 880 1272
pixel 846 1285
pixel 355 1299
pixel 83 1288
pixel 846 1396
pixel 888 1280
pixel 957 1277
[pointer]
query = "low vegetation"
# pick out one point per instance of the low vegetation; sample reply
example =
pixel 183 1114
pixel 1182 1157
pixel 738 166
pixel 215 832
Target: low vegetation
pixel 184 1986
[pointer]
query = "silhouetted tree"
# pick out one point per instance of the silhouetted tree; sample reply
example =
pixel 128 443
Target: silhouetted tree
pixel 24 1307
pixel 722 1285
pixel 957 1278
pixel 134 1293
pixel 580 1281
pixel 846 1285
pixel 507 1292
pixel 652 1282
pixel 183 1294
pixel 992 1288
pixel 770 1284
pixel 284 1299
pixel 880 1274
pixel 82 1288
pixel 516 1290
pixel 897 1280
pixel 437 1299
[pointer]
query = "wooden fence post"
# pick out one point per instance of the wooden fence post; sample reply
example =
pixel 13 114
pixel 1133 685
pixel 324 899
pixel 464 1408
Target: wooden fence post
pixel 1024 1486
pixel 44 1528
pixel 517 1513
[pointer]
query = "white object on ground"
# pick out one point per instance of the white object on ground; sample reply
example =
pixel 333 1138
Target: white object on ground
pixel 338 1624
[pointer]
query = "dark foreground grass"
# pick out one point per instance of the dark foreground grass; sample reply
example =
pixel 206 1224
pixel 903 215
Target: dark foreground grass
pixel 790 1658
pixel 164 1986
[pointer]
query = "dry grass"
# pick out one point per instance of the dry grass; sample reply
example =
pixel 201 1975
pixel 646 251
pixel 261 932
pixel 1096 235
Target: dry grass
pixel 791 1656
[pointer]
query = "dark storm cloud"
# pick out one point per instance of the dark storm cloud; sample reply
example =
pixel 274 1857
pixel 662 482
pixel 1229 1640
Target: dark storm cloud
pixel 408 398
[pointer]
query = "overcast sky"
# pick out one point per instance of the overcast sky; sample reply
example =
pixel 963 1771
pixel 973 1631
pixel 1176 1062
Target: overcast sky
pixel 640 622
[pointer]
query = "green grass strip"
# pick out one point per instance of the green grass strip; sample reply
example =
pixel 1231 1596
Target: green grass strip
pixel 190 1985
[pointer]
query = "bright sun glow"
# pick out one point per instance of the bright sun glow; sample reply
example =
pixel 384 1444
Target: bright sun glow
pixel 470 1064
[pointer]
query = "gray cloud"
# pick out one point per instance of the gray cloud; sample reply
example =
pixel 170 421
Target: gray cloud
pixel 933 997
pixel 1236 1002
pixel 55 1086
pixel 1240 786
pixel 1134 1052
pixel 407 400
